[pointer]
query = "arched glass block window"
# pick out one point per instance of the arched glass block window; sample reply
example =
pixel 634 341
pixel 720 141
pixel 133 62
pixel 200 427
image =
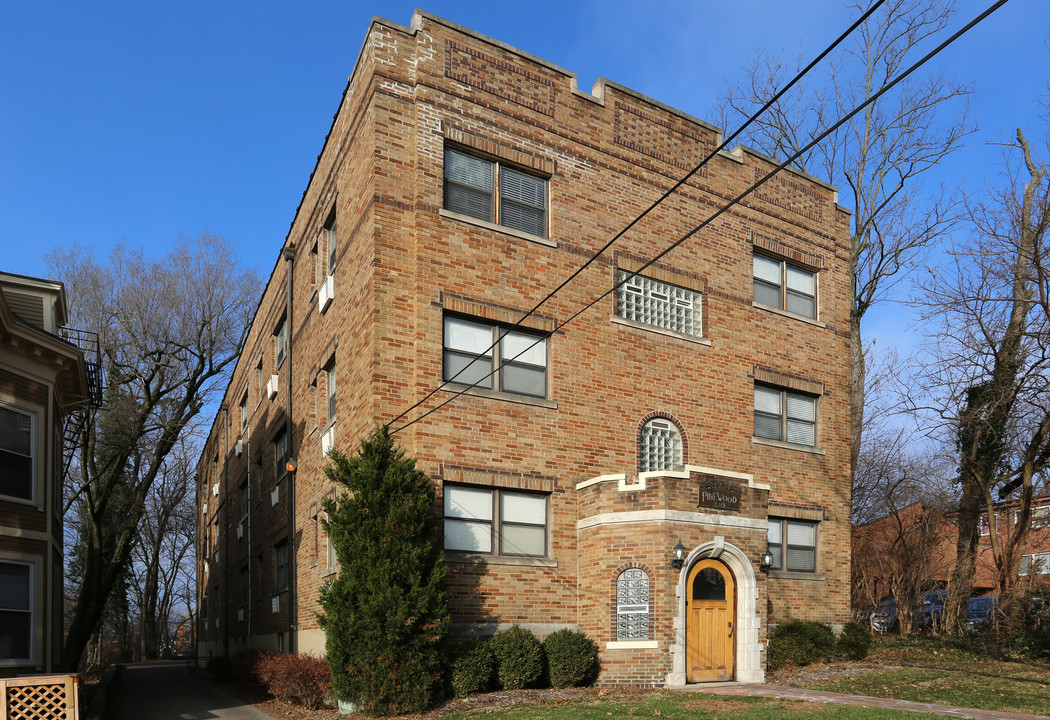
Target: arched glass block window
pixel 661 446
pixel 632 605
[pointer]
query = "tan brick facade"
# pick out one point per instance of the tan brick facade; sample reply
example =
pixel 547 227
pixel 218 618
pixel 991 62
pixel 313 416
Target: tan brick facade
pixel 406 261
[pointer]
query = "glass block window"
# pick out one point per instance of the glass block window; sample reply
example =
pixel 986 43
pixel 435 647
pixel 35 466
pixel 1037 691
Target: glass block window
pixel 661 446
pixel 493 192
pixel 799 552
pixel 784 415
pixel 659 304
pixel 632 605
pixel 785 286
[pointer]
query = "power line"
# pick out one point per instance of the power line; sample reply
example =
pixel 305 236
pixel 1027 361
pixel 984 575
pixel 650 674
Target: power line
pixel 651 207
pixel 889 86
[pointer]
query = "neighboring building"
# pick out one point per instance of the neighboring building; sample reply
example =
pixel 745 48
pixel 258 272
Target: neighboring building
pixel 44 379
pixel 704 403
pixel 921 540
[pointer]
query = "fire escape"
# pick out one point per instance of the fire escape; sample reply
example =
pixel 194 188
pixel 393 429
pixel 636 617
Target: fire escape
pixel 76 420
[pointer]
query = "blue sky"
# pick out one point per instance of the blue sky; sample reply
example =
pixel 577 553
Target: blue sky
pixel 141 121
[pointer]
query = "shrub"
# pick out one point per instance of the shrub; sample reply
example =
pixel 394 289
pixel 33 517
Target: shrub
pixel 244 667
pixel 473 666
pixel 572 658
pixel 799 643
pixel 385 615
pixel 303 680
pixel 854 642
pixel 519 657
pixel 220 668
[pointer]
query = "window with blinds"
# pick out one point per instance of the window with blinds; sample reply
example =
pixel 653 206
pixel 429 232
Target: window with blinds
pixel 494 192
pixel 784 286
pixel 793 544
pixel 785 416
pixel 660 446
pixel 632 605
pixel 495 521
pixel 659 304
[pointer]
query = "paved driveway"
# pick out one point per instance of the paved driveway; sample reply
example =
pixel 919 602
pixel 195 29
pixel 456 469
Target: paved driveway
pixel 166 691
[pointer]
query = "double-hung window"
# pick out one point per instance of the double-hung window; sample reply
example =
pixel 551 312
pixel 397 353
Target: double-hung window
pixel 329 388
pixel 280 563
pixel 490 357
pixel 784 286
pixel 785 416
pixel 1035 564
pixel 16 454
pixel 280 454
pixel 645 300
pixel 495 521
pixel 16 611
pixel 660 446
pixel 280 343
pixel 495 192
pixel 243 408
pixel 793 544
pixel 331 244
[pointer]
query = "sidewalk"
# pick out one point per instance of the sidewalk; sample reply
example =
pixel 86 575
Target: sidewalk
pixel 788 693
pixel 167 691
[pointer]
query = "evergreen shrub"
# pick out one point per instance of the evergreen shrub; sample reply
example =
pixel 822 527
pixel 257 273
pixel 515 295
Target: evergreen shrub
pixel 854 642
pixel 385 615
pixel 473 666
pixel 519 657
pixel 799 642
pixel 572 658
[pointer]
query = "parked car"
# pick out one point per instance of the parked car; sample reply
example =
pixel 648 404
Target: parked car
pixel 928 608
pixel 980 610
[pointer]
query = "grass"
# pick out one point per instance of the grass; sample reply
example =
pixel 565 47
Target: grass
pixel 947 671
pixel 684 706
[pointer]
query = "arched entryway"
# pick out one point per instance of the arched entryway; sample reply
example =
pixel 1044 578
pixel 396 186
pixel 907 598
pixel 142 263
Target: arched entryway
pixel 747 650
pixel 710 617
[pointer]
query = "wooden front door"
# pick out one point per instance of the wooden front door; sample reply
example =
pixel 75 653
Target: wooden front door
pixel 710 622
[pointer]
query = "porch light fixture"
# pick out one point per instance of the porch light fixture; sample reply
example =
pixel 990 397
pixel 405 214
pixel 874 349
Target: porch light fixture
pixel 678 555
pixel 766 561
pixel 290 465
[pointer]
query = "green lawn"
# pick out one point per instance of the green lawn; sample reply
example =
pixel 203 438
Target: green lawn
pixel 945 671
pixel 683 706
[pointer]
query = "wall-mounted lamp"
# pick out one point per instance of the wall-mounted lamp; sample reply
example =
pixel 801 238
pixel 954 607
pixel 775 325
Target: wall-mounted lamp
pixel 290 465
pixel 678 555
pixel 766 561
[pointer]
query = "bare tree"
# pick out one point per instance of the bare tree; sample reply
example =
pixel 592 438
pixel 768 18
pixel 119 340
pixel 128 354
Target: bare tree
pixel 878 160
pixel 170 330
pixel 161 569
pixel 989 315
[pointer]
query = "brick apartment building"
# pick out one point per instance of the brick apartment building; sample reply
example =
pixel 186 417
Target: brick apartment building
pixel 925 539
pixel 703 403
pixel 44 379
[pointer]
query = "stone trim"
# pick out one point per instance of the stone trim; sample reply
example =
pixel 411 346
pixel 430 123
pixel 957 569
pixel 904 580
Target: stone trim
pixel 671 516
pixel 466 475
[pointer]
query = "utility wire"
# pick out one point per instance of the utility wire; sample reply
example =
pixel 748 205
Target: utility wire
pixel 889 86
pixel 652 207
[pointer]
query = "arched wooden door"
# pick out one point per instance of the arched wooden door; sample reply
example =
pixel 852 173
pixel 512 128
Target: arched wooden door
pixel 710 619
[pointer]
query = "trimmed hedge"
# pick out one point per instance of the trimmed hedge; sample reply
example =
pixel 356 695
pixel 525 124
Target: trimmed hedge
pixel 854 642
pixel 519 657
pixel 472 668
pixel 799 642
pixel 572 658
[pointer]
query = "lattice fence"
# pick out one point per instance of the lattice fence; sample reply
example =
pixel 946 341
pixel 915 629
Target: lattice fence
pixel 40 697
